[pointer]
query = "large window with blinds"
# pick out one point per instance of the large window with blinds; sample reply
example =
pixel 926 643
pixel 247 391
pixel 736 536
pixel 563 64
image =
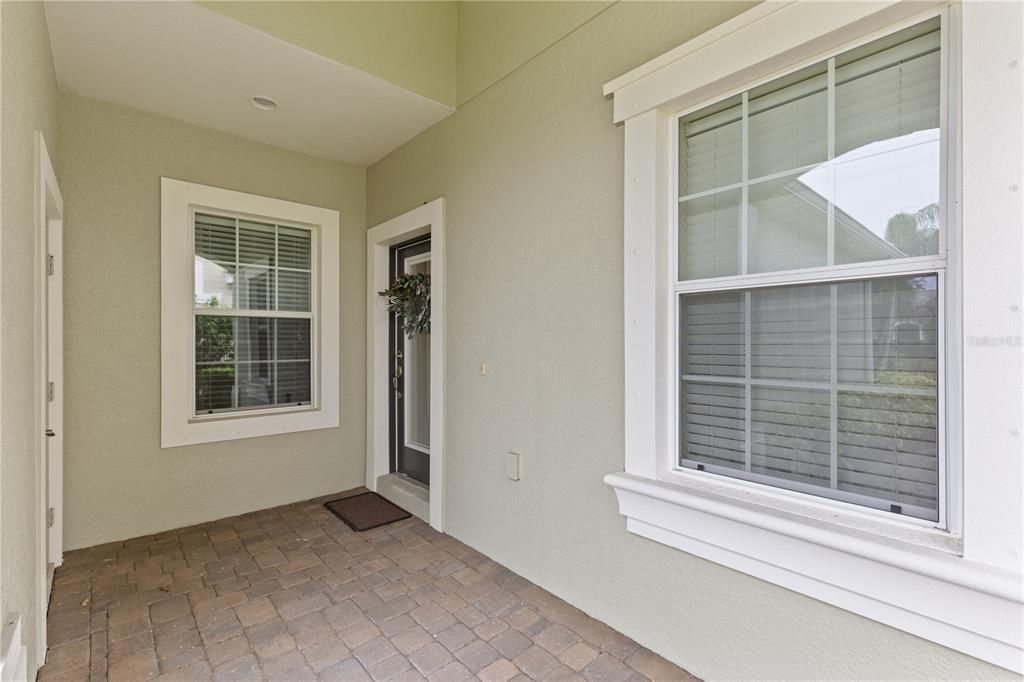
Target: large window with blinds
pixel 811 263
pixel 253 314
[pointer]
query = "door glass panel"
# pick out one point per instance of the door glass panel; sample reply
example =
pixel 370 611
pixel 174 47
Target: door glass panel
pixel 417 380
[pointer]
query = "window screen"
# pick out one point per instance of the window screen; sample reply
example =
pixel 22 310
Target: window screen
pixel 829 384
pixel 830 388
pixel 253 314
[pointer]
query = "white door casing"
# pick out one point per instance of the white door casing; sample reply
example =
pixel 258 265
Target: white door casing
pixel 425 219
pixel 55 391
pixel 48 393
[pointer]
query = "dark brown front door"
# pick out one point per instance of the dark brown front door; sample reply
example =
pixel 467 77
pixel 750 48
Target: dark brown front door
pixel 410 376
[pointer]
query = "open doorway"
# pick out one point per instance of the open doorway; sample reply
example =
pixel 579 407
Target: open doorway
pixel 405 370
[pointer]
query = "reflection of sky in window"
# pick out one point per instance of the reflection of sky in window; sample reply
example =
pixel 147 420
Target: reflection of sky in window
pixel 213 280
pixel 882 179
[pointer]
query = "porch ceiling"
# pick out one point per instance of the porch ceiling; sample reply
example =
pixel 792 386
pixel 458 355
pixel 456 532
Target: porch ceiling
pixel 184 61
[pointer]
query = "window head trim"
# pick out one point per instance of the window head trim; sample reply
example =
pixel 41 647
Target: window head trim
pixel 744 52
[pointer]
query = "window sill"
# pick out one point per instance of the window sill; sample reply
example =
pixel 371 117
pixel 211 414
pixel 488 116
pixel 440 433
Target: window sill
pixel 909 578
pixel 245 414
pixel 771 504
pixel 248 425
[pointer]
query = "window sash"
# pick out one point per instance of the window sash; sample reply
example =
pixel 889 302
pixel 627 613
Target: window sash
pixel 831 273
pixel 834 388
pixel 238 262
pixel 908 51
pixel 235 312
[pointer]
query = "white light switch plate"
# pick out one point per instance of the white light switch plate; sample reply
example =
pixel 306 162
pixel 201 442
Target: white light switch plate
pixel 512 465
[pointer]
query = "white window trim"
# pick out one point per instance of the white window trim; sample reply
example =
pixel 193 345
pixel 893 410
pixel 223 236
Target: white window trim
pixel 960 586
pixel 179 424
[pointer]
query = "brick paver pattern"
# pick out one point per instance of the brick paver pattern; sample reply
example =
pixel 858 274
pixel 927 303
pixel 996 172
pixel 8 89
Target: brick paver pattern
pixel 291 593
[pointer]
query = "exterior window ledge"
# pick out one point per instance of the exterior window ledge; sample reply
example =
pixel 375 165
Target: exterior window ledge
pixel 914 582
pixel 778 508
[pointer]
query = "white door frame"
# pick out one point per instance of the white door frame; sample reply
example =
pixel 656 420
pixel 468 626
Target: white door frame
pixel 425 219
pixel 49 350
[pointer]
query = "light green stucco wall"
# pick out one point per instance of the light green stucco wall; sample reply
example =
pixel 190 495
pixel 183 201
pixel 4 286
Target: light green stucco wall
pixel 496 38
pixel 119 483
pixel 532 173
pixel 411 44
pixel 447 51
pixel 29 93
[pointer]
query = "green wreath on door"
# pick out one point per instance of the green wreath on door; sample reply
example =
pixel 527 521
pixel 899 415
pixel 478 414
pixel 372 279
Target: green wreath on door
pixel 409 298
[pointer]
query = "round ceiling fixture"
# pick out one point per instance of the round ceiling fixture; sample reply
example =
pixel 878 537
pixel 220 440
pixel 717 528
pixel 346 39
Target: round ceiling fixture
pixel 265 103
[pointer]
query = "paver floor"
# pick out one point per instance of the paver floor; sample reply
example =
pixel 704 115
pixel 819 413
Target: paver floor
pixel 291 593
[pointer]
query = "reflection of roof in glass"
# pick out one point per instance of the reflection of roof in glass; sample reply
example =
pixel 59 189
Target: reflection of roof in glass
pixel 877 181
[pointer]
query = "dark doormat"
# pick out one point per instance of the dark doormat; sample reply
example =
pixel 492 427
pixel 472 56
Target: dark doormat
pixel 365 511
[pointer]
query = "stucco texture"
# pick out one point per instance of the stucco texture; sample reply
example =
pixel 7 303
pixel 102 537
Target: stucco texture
pixel 411 44
pixel 496 38
pixel 29 90
pixel 119 483
pixel 532 173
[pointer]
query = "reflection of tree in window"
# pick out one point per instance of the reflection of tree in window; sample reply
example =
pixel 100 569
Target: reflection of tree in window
pixel 215 345
pixel 905 341
pixel 915 234
pixel 214 336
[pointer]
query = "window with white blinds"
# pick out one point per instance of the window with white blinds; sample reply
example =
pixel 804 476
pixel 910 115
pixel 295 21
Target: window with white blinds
pixel 827 383
pixel 253 314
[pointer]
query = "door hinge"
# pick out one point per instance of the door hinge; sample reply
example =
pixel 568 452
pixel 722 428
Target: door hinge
pixel 49 517
pixel 49 392
pixel 49 264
